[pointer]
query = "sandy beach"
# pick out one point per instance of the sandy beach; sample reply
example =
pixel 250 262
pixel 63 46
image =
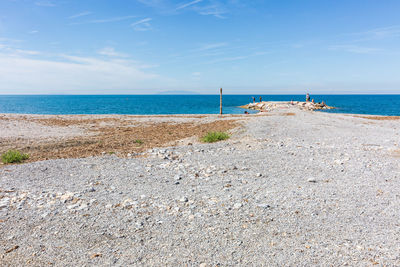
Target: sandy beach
pixel 290 187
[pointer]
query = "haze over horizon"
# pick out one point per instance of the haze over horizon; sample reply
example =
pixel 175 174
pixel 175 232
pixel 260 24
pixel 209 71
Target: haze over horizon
pixel 149 46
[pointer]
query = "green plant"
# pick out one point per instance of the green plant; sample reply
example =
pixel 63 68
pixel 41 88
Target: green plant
pixel 13 156
pixel 212 137
pixel 138 141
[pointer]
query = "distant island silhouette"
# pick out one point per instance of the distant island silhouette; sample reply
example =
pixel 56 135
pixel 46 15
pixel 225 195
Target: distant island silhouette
pixel 177 92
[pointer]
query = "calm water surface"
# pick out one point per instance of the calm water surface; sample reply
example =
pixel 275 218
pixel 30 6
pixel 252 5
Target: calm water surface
pixel 183 104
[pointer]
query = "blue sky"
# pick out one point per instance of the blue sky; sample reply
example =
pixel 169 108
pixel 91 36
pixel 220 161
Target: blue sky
pixel 148 46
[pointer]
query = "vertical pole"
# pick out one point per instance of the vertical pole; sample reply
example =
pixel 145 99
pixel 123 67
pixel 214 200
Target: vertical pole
pixel 220 101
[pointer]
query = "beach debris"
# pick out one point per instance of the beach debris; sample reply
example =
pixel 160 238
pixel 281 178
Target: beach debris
pixel 311 180
pixel 95 255
pixel 12 249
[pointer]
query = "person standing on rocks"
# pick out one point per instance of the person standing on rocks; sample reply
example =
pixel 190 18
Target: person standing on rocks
pixel 307 97
pixel 260 99
pixel 254 99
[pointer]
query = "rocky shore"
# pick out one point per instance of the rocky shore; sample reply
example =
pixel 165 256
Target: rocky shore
pixel 303 189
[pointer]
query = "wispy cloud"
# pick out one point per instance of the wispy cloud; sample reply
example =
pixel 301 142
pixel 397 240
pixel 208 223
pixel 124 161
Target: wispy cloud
pixel 216 8
pixel 211 46
pixel 376 34
pixel 46 3
pixel 237 57
pixel 26 52
pixel 53 76
pixel 107 20
pixel 142 25
pixel 355 49
pixel 10 40
pixel 110 52
pixel 212 10
pixel 152 3
pixel 185 5
pixel 33 32
pixel 82 14
pixel 382 33
pixel 12 51
pixel 196 75
pixel 225 59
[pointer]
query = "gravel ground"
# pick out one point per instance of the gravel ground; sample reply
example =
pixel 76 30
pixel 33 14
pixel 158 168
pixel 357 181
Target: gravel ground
pixel 309 189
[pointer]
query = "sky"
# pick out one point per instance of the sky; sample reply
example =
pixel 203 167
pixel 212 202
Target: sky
pixel 243 46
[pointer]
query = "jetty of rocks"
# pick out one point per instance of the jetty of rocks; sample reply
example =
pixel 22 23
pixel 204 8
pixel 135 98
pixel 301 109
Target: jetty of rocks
pixel 266 106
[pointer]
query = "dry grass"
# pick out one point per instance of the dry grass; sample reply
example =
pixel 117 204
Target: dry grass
pixel 380 118
pixel 118 136
pixel 396 153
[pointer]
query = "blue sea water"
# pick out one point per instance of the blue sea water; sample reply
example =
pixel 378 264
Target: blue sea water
pixel 183 104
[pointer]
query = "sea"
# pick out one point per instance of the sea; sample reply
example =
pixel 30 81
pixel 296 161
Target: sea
pixel 184 104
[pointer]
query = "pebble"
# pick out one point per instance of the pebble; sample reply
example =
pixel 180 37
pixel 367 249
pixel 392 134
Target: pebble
pixel 311 180
pixel 183 199
pixel 4 202
pixel 237 205
pixel 73 206
pixel 67 196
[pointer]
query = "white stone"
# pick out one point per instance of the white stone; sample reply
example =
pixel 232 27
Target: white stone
pixel 67 196
pixel 4 202
pixel 237 205
pixel 73 206
pixel 183 199
pixel 178 177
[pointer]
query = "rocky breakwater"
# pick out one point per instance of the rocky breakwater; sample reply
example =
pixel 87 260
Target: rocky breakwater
pixel 266 106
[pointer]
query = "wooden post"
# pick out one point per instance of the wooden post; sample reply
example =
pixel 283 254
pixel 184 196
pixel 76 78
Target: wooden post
pixel 220 101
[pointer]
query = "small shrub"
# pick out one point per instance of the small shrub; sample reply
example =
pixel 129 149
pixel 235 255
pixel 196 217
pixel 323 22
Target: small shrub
pixel 138 141
pixel 212 137
pixel 13 156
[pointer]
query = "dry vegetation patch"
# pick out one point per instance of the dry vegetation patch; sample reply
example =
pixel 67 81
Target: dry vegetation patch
pixel 111 135
pixel 380 118
pixel 396 153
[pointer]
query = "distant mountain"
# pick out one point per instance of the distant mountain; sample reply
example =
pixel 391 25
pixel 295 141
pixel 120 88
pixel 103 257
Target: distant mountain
pixel 178 93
